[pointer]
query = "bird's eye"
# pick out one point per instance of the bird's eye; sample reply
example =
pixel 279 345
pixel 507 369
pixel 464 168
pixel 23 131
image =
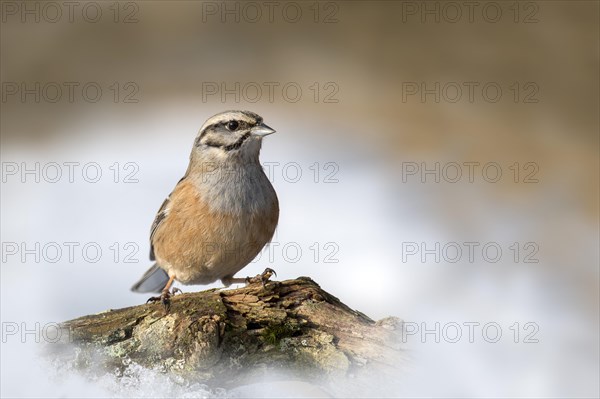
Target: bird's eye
pixel 232 125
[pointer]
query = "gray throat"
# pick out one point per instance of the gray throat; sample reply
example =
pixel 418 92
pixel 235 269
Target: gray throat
pixel 235 187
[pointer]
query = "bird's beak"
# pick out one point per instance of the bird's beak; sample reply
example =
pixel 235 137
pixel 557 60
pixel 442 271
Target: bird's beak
pixel 261 130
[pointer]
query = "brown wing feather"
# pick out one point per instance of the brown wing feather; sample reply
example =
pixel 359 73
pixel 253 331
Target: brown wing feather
pixel 160 216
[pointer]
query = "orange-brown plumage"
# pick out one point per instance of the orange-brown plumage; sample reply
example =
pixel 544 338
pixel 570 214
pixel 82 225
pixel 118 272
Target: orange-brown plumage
pixel 193 238
pixel 221 213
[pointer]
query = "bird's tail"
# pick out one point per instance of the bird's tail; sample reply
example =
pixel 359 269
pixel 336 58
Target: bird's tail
pixel 154 280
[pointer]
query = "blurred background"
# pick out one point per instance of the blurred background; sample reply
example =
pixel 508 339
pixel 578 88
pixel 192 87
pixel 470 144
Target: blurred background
pixel 434 161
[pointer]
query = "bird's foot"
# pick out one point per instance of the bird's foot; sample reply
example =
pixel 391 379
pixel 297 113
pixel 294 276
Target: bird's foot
pixel 261 278
pixel 165 298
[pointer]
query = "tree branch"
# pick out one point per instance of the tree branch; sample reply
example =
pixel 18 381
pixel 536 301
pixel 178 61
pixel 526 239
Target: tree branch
pixel 234 337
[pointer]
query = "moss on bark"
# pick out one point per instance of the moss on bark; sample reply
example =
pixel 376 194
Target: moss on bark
pixel 232 337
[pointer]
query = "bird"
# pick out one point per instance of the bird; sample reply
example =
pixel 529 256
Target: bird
pixel 220 214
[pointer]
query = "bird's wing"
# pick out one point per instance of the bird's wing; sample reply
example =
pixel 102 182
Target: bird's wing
pixel 160 216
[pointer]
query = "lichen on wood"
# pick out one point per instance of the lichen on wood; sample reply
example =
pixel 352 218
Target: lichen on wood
pixel 232 337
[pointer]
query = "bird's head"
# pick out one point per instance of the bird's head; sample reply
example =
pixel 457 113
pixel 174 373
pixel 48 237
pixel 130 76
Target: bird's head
pixel 231 134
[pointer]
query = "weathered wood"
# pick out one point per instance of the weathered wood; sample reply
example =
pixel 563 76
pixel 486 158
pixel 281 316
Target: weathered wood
pixel 238 336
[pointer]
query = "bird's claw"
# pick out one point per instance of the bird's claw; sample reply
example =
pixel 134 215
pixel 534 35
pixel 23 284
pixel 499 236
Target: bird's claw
pixel 165 298
pixel 266 275
pixel 261 278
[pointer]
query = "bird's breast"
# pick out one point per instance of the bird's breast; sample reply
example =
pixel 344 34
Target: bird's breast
pixel 216 226
pixel 239 191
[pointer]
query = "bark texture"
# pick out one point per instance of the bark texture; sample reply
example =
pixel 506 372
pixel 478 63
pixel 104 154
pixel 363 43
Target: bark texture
pixel 229 338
